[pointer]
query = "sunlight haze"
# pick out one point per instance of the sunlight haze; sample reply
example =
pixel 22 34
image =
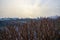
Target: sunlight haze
pixel 29 8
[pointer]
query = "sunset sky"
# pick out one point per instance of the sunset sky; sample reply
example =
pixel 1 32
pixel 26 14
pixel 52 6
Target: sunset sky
pixel 29 8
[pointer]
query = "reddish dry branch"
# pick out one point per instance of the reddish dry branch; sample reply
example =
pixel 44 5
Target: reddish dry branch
pixel 34 30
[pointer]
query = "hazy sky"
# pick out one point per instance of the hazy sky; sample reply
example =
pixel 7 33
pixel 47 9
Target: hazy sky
pixel 29 8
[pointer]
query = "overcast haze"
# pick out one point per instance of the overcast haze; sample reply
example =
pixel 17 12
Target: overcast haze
pixel 29 8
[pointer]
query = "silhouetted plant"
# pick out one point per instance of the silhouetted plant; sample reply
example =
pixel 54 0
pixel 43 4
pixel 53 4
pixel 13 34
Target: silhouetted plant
pixel 45 29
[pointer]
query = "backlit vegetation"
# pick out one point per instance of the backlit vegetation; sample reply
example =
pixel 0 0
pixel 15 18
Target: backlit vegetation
pixel 45 29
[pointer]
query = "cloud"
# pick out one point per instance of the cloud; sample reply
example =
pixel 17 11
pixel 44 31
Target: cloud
pixel 29 8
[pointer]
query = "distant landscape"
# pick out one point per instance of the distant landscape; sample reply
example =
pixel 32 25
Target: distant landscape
pixel 29 19
pixel 43 28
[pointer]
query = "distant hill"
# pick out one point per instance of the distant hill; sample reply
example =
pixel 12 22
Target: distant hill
pixel 7 21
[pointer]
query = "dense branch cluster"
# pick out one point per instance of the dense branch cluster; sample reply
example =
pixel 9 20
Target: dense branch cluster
pixel 45 29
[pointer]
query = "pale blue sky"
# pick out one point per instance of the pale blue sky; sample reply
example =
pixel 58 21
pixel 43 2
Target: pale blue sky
pixel 29 8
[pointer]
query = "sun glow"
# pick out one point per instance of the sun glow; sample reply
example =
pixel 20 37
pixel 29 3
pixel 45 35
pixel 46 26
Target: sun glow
pixel 29 8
